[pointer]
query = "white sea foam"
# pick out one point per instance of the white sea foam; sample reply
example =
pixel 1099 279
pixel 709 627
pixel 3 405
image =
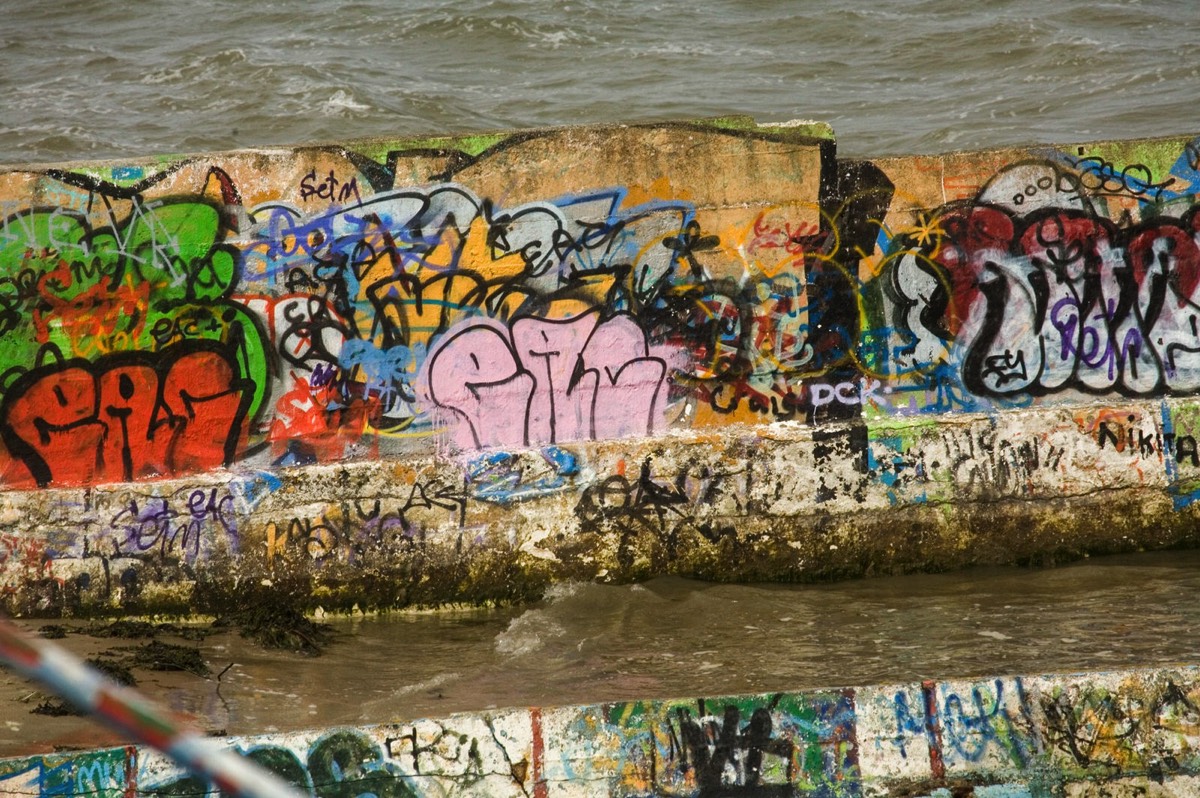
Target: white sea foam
pixel 528 633
pixel 342 103
pixel 440 680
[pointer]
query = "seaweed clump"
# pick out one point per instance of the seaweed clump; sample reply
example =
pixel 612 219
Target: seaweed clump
pixel 266 611
pixel 55 708
pixel 159 656
pixel 278 627
pixel 118 671
pixel 133 629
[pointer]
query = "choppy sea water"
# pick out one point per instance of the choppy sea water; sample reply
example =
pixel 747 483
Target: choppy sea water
pixel 91 80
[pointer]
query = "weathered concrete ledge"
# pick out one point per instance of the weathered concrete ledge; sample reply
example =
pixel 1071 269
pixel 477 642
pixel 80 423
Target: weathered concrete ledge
pixel 784 502
pixel 1110 735
pixel 379 374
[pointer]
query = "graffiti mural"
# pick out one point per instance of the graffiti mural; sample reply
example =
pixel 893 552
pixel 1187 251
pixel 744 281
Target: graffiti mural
pixel 439 281
pixel 343 764
pixel 769 745
pixel 1033 289
pixel 608 353
pixel 123 354
pixel 1030 735
pixel 98 773
pixel 544 381
pixel 160 322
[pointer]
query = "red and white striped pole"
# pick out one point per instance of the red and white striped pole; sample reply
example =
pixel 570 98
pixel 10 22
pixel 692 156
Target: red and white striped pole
pixel 132 714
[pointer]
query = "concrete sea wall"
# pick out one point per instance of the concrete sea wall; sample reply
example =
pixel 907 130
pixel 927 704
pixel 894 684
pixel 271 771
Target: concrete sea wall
pixel 1084 736
pixel 378 374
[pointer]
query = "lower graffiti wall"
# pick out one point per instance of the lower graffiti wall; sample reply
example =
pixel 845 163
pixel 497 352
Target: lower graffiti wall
pixel 785 502
pixel 1086 736
pixel 386 373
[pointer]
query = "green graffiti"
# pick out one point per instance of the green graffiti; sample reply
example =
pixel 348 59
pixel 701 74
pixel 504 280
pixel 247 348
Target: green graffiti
pixel 347 765
pixel 158 276
pixel 783 742
pixel 344 764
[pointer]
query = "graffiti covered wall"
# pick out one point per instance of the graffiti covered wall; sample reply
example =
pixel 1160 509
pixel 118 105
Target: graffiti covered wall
pixel 1105 734
pixel 314 307
pixel 470 366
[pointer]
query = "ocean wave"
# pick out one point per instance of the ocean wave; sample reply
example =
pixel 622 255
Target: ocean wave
pixel 527 634
pixel 198 67
pixel 342 103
